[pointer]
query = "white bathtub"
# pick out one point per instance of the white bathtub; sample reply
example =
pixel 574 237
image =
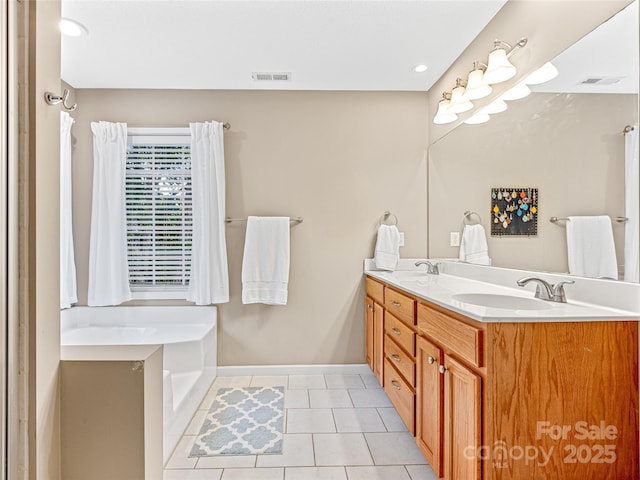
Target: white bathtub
pixel 188 336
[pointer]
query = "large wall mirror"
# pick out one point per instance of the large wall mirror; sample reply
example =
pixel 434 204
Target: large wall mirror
pixel 565 139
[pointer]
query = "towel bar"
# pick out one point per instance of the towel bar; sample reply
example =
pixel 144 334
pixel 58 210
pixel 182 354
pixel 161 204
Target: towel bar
pixel 565 219
pixel 292 220
pixel 385 216
pixel 467 217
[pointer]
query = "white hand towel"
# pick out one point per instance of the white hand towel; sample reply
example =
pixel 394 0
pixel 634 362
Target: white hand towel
pixel 387 251
pixel 265 265
pixel 473 247
pixel 590 248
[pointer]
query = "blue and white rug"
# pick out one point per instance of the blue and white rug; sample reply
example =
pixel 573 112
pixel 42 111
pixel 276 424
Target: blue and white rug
pixel 242 421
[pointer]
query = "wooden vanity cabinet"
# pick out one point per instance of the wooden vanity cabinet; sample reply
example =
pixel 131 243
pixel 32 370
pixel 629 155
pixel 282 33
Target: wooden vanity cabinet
pixel 369 329
pixel 375 327
pixel 461 434
pixel 401 305
pixel 514 400
pixel 429 402
pixel 399 354
pixel 449 394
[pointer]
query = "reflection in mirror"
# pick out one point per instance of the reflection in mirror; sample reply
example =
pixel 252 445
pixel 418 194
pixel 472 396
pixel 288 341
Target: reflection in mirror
pixel 566 139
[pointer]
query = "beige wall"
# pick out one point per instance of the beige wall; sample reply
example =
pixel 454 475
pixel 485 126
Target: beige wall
pixel 40 222
pixel 338 159
pixel 569 146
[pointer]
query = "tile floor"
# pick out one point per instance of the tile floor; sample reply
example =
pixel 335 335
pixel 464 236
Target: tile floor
pixel 337 427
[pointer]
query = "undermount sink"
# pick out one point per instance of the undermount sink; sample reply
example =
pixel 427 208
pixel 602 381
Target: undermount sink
pixel 506 302
pixel 409 275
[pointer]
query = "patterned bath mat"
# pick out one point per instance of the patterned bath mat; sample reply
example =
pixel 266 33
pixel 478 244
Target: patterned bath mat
pixel 242 421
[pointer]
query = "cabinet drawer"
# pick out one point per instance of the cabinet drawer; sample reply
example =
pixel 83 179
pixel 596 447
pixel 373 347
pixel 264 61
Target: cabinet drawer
pixel 374 289
pixel 400 333
pixel 401 395
pixel 400 305
pixel 399 359
pixel 459 338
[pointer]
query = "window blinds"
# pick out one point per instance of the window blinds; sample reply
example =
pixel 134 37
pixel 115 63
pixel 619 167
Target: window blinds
pixel 159 211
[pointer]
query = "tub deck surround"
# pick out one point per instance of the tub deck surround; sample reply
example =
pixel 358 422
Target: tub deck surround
pixel 188 338
pixel 480 386
pixel 111 412
pixel 587 299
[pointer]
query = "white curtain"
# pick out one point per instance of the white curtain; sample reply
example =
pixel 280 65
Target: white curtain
pixel 68 285
pixel 632 207
pixel 209 281
pixel 108 268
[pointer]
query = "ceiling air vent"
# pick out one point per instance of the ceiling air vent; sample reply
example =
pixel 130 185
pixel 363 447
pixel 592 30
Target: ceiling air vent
pixel 600 80
pixel 271 76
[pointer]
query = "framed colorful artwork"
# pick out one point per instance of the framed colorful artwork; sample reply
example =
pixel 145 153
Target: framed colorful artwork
pixel 514 211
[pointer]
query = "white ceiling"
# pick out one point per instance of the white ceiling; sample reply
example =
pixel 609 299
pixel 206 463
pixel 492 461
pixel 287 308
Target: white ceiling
pixel 611 50
pixel 325 44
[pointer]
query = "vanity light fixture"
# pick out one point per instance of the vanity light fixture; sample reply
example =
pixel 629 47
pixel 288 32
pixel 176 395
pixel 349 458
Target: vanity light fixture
pixel 497 106
pixel 458 103
pixel 479 117
pixel 545 73
pixel 476 86
pixel 499 68
pixel 516 93
pixel 72 28
pixel 444 115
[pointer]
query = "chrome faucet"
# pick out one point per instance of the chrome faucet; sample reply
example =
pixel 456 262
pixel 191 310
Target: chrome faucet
pixel 432 268
pixel 546 290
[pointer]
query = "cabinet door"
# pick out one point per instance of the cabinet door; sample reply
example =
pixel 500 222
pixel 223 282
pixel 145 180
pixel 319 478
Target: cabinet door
pixel 462 407
pixel 378 341
pixel 429 403
pixel 369 328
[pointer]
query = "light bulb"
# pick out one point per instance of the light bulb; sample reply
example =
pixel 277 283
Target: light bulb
pixel 545 73
pixel 499 68
pixel 516 93
pixel 476 86
pixel 497 106
pixel 479 117
pixel 458 104
pixel 443 115
pixel 72 28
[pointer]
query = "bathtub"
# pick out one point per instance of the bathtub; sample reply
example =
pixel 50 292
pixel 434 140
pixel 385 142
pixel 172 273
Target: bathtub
pixel 188 336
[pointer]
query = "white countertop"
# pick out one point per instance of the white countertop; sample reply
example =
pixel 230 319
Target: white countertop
pixel 442 290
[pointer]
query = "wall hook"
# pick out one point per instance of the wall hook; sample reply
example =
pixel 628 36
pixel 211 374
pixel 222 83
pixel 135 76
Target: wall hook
pixel 53 99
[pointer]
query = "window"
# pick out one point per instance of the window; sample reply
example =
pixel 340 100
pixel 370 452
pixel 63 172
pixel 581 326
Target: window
pixel 159 211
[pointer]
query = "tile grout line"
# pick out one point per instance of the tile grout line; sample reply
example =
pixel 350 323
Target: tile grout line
pixel 313 447
pixel 373 459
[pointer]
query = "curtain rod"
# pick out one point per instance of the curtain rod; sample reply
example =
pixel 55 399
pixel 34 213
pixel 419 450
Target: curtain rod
pixel 225 125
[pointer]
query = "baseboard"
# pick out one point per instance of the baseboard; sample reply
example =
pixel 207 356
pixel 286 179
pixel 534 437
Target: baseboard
pixel 257 370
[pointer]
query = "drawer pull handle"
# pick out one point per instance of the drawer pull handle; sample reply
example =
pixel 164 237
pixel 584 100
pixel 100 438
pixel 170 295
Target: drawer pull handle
pixel 431 360
pixel 442 369
pixel 395 357
pixel 396 304
pixel 395 384
pixel 395 330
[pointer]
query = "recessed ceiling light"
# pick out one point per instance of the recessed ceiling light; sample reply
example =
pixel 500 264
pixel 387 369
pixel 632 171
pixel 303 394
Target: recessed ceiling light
pixel 72 28
pixel 421 68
